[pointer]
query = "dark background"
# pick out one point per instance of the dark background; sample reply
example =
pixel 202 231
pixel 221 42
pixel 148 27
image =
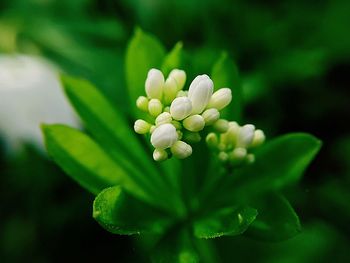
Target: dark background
pixel 294 60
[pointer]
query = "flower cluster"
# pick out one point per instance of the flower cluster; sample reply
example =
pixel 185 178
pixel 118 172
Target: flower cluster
pixel 233 146
pixel 177 116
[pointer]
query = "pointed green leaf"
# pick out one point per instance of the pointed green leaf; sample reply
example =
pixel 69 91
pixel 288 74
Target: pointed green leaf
pixel 84 160
pixel 225 74
pixel 279 162
pixel 276 221
pixel 120 213
pixel 173 59
pixel 143 53
pixel 226 221
pixel 110 128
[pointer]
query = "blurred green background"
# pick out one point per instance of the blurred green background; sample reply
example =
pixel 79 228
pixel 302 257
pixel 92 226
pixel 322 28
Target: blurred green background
pixel 294 60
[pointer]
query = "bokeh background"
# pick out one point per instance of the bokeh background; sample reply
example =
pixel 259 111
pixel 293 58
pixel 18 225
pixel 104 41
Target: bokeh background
pixel 294 60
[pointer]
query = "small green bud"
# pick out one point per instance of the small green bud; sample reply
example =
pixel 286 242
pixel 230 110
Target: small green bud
pixel 180 108
pixel 164 136
pixel 177 125
pixel 160 155
pixel 220 99
pixel 181 150
pixel 221 125
pixel 223 156
pixel 192 137
pixel 238 155
pixel 151 130
pixel 154 84
pixel 182 93
pixel 155 107
pixel 142 127
pixel 142 103
pixel 194 123
pixel 210 116
pixel 259 138
pixel 250 158
pixel 162 118
pixel 212 140
pixel 179 76
pixel 170 90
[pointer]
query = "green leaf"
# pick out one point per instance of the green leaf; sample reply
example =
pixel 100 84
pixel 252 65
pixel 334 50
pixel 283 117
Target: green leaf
pixel 173 59
pixel 279 163
pixel 84 160
pixel 176 247
pixel 225 74
pixel 229 221
pixel 143 53
pixel 276 221
pixel 120 213
pixel 111 130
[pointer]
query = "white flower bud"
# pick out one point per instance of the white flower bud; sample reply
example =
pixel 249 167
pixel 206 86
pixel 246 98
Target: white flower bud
pixel 200 92
pixel 154 84
pixel 151 130
pixel 212 140
pixel 163 118
pixel 238 155
pixel 181 150
pixel 221 125
pixel 160 155
pixel 210 116
pixel 259 138
pixel 180 108
pixel 170 90
pixel 220 99
pixel 245 135
pixel 180 77
pixel 155 107
pixel 194 123
pixel 164 136
pixel 142 103
pixel 142 127
pixel 230 137
pixel 192 137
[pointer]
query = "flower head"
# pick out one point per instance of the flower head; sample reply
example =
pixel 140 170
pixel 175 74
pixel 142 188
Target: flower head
pixel 179 116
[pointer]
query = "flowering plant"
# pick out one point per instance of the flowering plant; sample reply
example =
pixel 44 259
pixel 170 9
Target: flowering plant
pixel 228 183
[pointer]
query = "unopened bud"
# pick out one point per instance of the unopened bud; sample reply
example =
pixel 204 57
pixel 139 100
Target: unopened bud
pixel 180 77
pixel 142 103
pixel 164 136
pixel 223 156
pixel 170 90
pixel 245 135
pixel 180 108
pixel 220 99
pixel 221 125
pixel 250 158
pixel 259 138
pixel 238 155
pixel 181 150
pixel 163 118
pixel 177 125
pixel 212 140
pixel 155 107
pixel 142 127
pixel 160 155
pixel 194 123
pixel 154 84
pixel 200 92
pixel 210 116
pixel 182 93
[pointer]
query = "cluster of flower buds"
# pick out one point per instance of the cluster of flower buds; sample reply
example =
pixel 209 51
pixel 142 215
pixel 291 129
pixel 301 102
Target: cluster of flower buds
pixel 233 146
pixel 178 116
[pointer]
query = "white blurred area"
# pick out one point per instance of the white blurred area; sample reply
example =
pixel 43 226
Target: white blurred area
pixel 30 94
